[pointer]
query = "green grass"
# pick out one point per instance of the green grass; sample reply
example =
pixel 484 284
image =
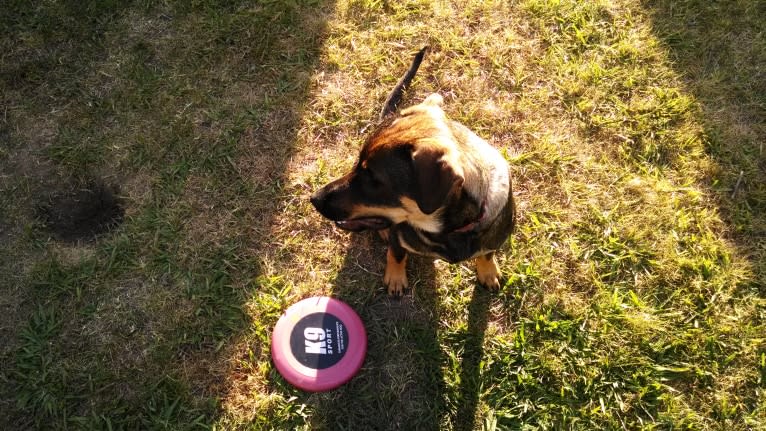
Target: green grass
pixel 634 293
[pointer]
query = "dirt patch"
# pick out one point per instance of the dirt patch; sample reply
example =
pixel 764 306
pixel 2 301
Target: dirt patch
pixel 81 211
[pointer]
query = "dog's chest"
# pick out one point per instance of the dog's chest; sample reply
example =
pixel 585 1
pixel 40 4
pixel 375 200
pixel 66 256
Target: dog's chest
pixel 487 178
pixel 452 247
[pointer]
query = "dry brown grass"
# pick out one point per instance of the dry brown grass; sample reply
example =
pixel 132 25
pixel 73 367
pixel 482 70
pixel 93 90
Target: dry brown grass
pixel 634 292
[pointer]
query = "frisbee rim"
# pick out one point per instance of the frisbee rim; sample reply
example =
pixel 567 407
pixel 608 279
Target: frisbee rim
pixel 311 379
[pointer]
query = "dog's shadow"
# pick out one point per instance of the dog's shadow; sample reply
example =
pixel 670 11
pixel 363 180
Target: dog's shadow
pixel 401 385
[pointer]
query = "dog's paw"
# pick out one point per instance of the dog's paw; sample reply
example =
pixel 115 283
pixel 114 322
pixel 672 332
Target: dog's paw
pixel 488 272
pixel 396 280
pixel 491 282
pixel 395 276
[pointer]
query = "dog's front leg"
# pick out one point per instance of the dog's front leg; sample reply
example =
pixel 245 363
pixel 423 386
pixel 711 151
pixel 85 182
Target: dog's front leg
pixel 488 272
pixel 396 270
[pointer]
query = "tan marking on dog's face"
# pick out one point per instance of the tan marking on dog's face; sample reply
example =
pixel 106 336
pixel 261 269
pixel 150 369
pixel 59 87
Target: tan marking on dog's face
pixel 416 218
pixel 408 212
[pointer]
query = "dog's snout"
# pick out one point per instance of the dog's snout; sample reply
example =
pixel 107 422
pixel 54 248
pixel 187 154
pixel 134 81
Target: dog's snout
pixel 331 200
pixel 317 199
pixel 325 200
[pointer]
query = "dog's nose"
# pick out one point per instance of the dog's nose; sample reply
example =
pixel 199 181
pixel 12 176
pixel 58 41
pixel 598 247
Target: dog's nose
pixel 317 199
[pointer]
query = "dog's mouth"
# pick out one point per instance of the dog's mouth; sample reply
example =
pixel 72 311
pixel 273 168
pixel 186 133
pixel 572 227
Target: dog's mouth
pixel 364 223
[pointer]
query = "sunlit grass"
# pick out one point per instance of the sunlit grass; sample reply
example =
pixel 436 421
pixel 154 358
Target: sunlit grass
pixel 633 295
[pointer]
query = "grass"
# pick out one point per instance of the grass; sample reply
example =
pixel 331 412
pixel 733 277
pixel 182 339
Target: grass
pixel 634 294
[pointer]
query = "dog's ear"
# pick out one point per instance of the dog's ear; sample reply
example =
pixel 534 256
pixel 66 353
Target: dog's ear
pixel 436 179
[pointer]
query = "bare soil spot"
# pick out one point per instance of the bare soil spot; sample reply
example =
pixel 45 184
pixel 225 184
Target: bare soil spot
pixel 82 210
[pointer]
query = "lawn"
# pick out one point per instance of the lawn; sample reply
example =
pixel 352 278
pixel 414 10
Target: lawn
pixel 156 160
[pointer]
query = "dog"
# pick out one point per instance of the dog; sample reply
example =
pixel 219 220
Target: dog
pixel 430 186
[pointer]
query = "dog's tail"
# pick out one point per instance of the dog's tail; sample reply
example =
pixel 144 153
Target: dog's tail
pixel 396 94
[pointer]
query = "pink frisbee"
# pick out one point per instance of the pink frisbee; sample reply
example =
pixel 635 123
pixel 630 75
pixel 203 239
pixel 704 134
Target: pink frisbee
pixel 318 344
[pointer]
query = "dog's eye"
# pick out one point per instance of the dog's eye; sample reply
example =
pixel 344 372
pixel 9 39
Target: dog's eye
pixel 373 179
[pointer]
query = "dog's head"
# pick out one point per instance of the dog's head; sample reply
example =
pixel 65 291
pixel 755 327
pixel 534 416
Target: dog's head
pixel 407 171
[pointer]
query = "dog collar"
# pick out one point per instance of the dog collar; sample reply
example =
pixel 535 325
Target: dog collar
pixel 472 225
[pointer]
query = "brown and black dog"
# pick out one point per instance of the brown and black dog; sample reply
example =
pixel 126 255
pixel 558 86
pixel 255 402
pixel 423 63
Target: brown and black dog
pixel 430 186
